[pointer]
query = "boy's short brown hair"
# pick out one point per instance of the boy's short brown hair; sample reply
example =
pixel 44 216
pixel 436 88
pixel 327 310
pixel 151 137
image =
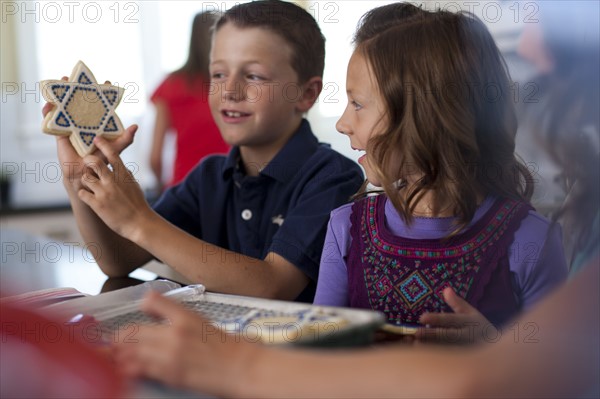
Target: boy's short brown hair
pixel 291 22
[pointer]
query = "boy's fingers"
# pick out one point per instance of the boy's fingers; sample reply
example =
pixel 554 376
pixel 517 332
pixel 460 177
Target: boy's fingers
pixel 111 154
pixel 96 165
pixel 124 140
pixel 128 135
pixel 88 179
pixel 47 108
pixel 86 197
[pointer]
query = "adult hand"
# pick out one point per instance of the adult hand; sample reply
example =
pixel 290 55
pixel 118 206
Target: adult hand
pixel 465 325
pixel 189 352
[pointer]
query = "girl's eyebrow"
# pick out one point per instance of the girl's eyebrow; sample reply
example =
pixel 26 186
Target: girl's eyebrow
pixel 357 93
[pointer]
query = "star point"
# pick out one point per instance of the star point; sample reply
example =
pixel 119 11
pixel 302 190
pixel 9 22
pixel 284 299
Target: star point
pixel 83 109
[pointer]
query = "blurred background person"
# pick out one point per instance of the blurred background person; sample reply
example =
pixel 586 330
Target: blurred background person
pixel 564 50
pixel 181 103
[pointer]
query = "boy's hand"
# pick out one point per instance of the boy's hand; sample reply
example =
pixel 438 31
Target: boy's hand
pixel 71 163
pixel 466 325
pixel 113 193
pixel 190 352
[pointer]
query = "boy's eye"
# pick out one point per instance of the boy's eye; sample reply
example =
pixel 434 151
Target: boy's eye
pixel 252 76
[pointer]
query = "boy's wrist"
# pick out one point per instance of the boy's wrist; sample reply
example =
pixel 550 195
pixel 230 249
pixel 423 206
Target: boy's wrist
pixel 144 228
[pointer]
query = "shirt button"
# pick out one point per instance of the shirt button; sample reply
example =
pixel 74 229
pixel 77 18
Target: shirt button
pixel 246 214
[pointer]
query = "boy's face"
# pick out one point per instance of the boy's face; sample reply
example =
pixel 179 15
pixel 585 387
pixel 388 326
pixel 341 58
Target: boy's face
pixel 255 91
pixel 365 112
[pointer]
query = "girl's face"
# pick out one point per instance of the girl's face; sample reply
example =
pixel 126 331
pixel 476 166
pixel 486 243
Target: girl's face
pixel 364 115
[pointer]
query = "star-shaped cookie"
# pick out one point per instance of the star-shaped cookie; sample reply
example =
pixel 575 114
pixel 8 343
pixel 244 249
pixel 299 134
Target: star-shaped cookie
pixel 83 109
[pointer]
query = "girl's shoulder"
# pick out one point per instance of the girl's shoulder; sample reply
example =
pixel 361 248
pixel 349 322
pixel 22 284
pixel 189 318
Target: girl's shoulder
pixel 341 218
pixel 345 211
pixel 532 220
pixel 536 219
pixel 539 229
pixel 532 226
pixel 342 213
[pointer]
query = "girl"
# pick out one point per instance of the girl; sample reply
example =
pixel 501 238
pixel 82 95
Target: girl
pixel 429 102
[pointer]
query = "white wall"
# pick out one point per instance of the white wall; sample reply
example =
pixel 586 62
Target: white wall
pixel 135 44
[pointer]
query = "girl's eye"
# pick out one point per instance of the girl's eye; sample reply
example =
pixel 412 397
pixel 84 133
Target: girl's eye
pixel 356 105
pixel 217 75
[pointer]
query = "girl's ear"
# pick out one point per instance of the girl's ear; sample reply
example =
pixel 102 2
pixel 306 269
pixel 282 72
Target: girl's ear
pixel 310 92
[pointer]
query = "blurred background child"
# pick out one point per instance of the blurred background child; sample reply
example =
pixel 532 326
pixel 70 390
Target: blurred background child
pixel 563 48
pixel 181 103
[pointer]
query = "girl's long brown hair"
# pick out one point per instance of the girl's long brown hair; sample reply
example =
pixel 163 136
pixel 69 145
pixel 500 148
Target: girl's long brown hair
pixel 450 117
pixel 199 51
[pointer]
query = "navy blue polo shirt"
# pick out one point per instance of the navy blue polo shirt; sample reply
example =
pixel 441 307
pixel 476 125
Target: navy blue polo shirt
pixel 285 209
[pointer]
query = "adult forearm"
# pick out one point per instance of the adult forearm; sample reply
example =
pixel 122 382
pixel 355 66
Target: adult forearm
pixel 387 372
pixel 552 351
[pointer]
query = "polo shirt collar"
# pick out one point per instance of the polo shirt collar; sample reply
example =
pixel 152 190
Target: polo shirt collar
pixel 294 153
pixel 231 162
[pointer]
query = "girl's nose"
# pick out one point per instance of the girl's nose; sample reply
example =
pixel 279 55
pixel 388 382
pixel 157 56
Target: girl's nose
pixel 341 126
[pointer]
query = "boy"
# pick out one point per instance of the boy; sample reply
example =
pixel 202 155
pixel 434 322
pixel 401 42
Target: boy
pixel 252 223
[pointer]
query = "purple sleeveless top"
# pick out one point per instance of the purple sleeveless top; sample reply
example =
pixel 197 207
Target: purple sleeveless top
pixel 404 278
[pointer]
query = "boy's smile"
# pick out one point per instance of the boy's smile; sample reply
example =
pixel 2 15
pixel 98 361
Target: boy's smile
pixel 255 91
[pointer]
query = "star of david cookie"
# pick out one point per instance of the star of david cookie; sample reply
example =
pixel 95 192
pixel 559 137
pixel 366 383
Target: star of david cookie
pixel 83 109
